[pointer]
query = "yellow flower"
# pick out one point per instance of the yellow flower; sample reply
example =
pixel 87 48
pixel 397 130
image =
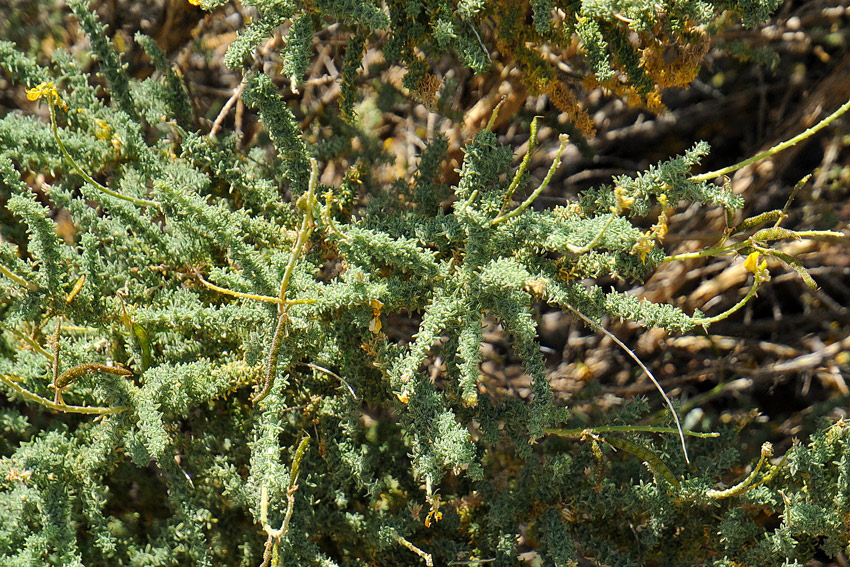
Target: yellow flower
pixel 101 129
pixel 643 247
pixel 47 91
pixel 42 90
pixel 195 2
pixel 470 400
pixel 752 263
pixel 624 200
pixel 375 323
pixel 434 515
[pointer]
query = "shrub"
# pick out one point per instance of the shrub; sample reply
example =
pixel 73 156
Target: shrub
pixel 201 370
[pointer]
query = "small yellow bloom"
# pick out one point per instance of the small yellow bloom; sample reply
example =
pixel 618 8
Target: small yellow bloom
pixel 47 91
pixel 470 400
pixel 434 515
pixel 752 263
pixel 375 324
pixel 624 200
pixel 536 287
pixel 195 2
pixel 643 247
pixel 42 90
pixel 101 129
pixel 660 229
pixel 759 270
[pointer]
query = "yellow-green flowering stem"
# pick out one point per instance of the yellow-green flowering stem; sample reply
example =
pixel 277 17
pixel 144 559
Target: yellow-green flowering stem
pixel 753 222
pixel 775 149
pixel 495 114
pixel 602 429
pixel 765 235
pixel 274 353
pixel 658 467
pixel 79 329
pixel 17 279
pixel 11 382
pixel 564 139
pixel 819 234
pixel 88 178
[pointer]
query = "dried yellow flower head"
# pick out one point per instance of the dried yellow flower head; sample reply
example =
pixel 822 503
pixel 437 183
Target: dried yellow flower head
pixel 375 324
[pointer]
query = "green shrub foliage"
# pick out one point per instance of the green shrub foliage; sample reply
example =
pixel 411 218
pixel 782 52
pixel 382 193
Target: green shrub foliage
pixel 199 373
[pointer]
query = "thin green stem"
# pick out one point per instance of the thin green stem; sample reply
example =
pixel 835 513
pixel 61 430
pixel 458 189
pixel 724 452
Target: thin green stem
pixel 79 329
pixel 495 114
pixel 699 399
pixel 303 232
pixel 274 354
pixel 265 298
pixel 272 550
pixel 799 185
pixel 716 251
pixel 819 234
pixel 29 340
pixel 753 222
pixel 328 218
pixel 581 431
pixel 596 239
pixel 658 467
pixel 764 235
pixel 775 149
pixel 17 279
pixel 283 307
pixel 706 321
pixel 429 560
pixel 11 382
pixel 54 362
pixel 472 197
pixel 643 367
pixel 88 178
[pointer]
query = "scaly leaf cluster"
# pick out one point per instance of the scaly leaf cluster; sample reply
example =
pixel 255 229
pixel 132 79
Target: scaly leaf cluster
pixel 256 406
